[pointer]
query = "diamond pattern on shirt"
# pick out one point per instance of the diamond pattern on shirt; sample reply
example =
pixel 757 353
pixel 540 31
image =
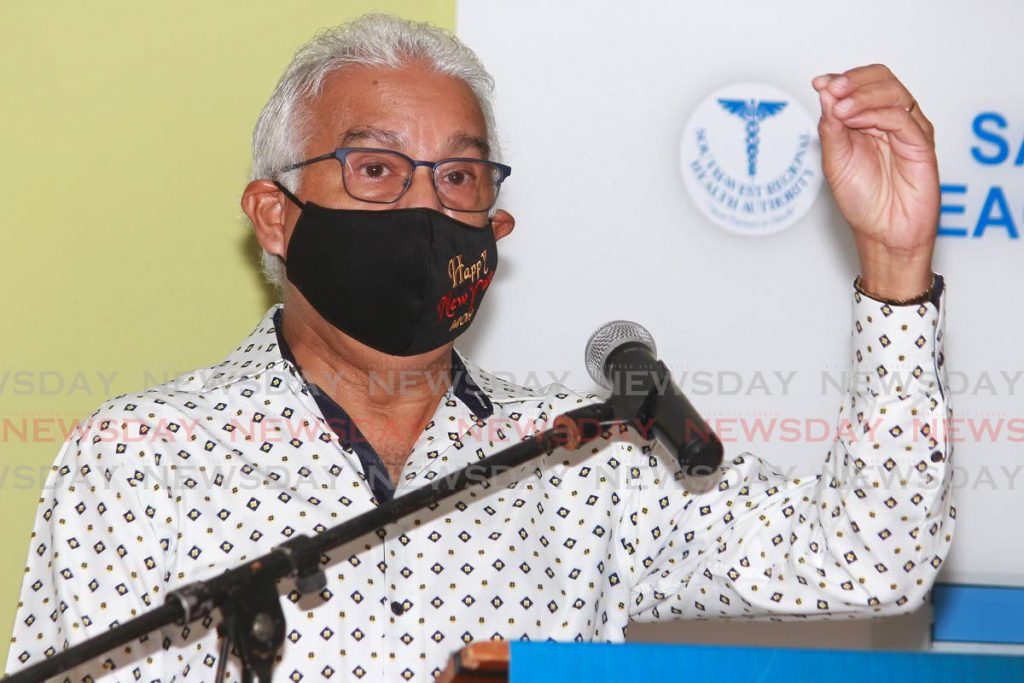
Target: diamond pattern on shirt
pixel 180 482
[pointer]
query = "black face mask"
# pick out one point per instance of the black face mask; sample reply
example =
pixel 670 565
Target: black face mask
pixel 401 281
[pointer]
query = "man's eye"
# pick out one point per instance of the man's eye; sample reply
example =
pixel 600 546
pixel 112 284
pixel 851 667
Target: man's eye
pixel 375 170
pixel 460 177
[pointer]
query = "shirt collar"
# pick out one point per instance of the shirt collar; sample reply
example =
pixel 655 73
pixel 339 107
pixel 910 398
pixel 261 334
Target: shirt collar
pixel 257 354
pixel 463 386
pixel 262 351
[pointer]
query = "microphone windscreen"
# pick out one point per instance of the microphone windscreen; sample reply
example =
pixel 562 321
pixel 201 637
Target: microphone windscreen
pixel 606 339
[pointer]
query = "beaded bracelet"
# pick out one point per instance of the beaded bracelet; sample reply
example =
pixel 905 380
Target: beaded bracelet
pixel 919 299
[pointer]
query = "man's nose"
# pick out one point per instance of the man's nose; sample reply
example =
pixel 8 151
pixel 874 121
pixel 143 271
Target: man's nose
pixel 421 193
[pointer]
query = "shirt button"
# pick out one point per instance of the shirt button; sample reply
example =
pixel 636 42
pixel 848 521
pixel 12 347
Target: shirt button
pixel 397 609
pixel 936 456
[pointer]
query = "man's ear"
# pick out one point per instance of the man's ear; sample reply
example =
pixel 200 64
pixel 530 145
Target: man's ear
pixel 264 204
pixel 502 223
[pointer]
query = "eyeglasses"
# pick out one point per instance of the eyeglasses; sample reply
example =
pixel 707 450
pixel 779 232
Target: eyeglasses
pixel 382 176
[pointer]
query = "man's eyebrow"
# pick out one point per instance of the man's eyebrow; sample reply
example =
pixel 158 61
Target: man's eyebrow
pixel 457 142
pixel 363 134
pixel 461 140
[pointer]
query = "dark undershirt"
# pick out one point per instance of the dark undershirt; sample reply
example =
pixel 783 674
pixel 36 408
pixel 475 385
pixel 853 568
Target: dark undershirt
pixel 463 387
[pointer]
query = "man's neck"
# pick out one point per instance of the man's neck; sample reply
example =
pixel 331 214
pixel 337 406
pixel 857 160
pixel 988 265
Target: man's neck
pixel 390 398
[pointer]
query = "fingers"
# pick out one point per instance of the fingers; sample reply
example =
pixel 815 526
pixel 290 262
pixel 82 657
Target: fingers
pixel 875 95
pixel 868 88
pixel 852 79
pixel 898 123
pixel 821 81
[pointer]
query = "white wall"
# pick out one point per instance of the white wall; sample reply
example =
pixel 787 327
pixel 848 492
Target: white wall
pixel 592 100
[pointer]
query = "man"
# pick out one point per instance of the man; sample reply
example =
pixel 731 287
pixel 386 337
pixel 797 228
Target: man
pixel 373 200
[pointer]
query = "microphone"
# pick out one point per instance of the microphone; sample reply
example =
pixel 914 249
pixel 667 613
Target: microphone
pixel 621 356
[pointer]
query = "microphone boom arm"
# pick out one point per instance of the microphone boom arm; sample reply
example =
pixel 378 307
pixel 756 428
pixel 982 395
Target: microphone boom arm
pixel 247 594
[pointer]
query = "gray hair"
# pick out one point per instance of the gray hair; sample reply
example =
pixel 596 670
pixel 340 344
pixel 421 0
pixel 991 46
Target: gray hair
pixel 372 40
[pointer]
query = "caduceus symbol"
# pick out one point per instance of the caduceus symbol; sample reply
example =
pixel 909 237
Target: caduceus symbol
pixel 753 112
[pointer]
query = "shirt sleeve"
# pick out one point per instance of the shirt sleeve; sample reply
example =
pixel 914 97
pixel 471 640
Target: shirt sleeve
pixel 864 537
pixel 97 552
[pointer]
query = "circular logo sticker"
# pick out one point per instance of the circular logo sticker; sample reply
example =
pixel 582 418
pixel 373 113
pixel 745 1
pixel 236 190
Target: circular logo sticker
pixel 751 159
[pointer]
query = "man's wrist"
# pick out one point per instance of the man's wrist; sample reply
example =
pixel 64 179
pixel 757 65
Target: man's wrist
pixel 922 297
pixel 895 277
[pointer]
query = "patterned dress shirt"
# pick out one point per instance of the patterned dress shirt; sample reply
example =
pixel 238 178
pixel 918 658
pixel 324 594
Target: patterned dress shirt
pixel 179 482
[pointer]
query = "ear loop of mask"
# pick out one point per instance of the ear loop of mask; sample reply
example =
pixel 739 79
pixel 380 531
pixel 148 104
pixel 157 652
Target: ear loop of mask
pixel 298 202
pixel 287 193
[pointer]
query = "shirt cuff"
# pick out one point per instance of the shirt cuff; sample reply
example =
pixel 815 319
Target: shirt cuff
pixel 897 350
pixel 934 293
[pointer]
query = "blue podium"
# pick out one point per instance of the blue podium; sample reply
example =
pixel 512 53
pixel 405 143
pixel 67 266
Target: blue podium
pixel 519 662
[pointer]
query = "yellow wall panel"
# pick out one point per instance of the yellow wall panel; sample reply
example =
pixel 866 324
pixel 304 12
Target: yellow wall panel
pixel 125 260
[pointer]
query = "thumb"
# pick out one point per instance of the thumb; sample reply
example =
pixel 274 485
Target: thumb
pixel 834 134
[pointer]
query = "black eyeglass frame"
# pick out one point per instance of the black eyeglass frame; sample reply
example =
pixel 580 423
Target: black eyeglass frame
pixel 342 153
